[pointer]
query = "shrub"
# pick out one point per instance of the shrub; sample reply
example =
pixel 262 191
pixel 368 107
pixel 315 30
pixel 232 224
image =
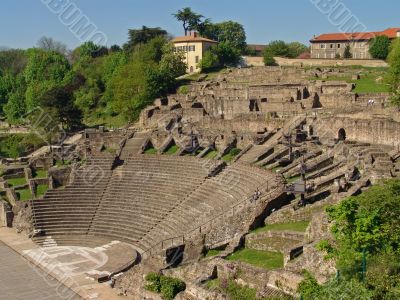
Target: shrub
pixel 347 52
pixel 269 59
pixel 379 47
pixel 168 287
pixel 209 61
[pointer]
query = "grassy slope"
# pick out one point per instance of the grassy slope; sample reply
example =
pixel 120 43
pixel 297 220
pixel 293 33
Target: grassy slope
pixel 263 259
pixel 294 226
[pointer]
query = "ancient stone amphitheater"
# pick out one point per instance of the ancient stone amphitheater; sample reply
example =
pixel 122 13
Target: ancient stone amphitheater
pixel 205 166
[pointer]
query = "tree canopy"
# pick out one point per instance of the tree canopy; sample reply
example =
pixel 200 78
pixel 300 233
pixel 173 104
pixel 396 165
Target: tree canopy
pixel 190 20
pixel 379 47
pixel 365 225
pixel 393 77
pixel 94 85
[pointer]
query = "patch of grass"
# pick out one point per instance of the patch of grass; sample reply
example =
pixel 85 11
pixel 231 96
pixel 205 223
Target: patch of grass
pixel 368 84
pixel 24 194
pixel 264 259
pixel 231 155
pixel 41 189
pixel 172 150
pixel 211 154
pixel 16 181
pixel 213 284
pixel 40 174
pixel 293 179
pixel 183 90
pixel 276 169
pixel 294 226
pixel 59 163
pixel 151 151
pixel 96 119
pixel 109 150
pixel 213 252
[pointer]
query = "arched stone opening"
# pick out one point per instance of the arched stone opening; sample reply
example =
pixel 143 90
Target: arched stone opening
pixel 342 134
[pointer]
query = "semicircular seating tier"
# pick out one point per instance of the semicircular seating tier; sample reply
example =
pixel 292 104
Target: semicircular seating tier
pixel 146 198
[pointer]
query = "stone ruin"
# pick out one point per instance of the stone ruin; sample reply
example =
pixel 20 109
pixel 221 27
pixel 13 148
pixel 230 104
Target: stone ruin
pixel 171 187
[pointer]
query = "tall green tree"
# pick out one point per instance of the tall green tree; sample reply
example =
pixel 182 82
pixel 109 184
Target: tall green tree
pixel 347 52
pixel 227 32
pixel 190 20
pixel 296 48
pixel 379 47
pixel 393 77
pixel 142 36
pixel 277 48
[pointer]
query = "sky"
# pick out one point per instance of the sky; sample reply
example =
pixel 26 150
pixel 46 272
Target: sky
pixel 23 22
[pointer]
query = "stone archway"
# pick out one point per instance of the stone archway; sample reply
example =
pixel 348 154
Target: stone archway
pixel 341 134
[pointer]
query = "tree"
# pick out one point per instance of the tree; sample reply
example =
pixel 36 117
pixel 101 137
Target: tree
pixel 190 20
pixel 229 32
pixel 13 61
pixel 368 225
pixel 296 48
pixel 379 47
pixel 278 48
pixel 269 58
pixel 172 62
pixel 227 53
pixel 58 103
pixel 347 52
pixel 49 44
pixel 209 62
pixel 142 36
pixel 115 48
pixel 393 77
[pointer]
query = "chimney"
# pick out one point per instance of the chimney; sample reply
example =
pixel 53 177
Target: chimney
pixel 193 34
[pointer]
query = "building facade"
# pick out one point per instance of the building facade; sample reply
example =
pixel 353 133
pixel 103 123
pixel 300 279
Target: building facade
pixel 332 45
pixel 193 47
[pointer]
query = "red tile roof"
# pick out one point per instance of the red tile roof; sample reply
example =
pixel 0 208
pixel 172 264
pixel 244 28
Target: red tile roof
pixel 390 33
pixel 190 38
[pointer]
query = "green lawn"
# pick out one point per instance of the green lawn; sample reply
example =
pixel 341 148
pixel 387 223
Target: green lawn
pixel 24 195
pixel 16 181
pixel 367 83
pixel 263 259
pixel 41 189
pixel 213 252
pixel 294 226
pixel 231 155
pixel 40 174
pixel 150 151
pixel 211 154
pixel 172 150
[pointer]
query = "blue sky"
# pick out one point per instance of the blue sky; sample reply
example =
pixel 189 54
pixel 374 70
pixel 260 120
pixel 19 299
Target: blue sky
pixel 23 22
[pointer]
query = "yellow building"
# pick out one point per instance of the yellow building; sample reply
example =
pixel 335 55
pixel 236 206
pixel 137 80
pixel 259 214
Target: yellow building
pixel 193 46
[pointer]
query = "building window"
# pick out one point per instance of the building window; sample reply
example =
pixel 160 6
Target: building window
pixel 338 45
pixel 322 46
pixel 197 59
pixel 192 48
pixel 331 45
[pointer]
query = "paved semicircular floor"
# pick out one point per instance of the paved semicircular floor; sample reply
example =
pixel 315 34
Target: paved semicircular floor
pixel 19 280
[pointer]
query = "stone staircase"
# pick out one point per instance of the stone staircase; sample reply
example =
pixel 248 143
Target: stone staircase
pixel 258 152
pixel 134 145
